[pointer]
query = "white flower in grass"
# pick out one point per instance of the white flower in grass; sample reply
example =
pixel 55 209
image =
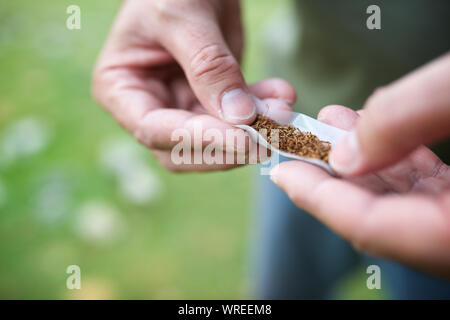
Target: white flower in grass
pixel 126 160
pixel 119 156
pixel 140 185
pixel 24 137
pixel 53 198
pixel 99 223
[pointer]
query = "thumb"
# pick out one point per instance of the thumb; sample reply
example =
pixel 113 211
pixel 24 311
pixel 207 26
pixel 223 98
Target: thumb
pixel 412 111
pixel 211 69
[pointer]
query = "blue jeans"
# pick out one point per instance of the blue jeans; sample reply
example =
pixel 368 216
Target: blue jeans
pixel 296 257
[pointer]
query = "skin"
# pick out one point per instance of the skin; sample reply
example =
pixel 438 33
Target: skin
pixel 393 199
pixel 168 64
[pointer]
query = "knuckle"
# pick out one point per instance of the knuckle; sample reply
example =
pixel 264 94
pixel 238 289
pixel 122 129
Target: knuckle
pixel 212 62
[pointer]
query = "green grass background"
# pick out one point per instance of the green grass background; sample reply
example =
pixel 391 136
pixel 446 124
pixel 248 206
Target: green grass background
pixel 191 242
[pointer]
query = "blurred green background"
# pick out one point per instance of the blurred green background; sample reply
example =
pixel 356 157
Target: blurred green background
pixel 76 189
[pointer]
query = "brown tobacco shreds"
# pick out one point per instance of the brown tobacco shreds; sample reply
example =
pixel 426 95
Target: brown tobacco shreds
pixel 294 141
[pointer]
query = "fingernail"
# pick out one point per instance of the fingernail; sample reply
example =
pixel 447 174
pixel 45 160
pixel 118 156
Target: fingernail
pixel 273 174
pixel 345 157
pixel 237 106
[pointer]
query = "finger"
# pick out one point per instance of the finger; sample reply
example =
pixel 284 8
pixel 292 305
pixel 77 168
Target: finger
pixel 397 119
pixel 346 118
pixel 144 115
pixel 273 93
pixel 412 229
pixel 325 197
pixel 274 88
pixel 171 163
pixel 208 159
pixel 165 128
pixel 338 116
pixel 213 72
pixel 182 93
pixel 126 96
pixel 275 109
pixel 398 177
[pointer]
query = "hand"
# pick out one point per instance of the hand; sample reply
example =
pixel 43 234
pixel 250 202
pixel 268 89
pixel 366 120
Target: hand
pixel 172 64
pixel 395 199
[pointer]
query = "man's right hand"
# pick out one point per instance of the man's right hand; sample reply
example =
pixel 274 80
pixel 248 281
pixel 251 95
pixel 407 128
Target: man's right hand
pixel 171 64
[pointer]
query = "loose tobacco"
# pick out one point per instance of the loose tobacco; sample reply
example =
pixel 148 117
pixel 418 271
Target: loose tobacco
pixel 292 140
